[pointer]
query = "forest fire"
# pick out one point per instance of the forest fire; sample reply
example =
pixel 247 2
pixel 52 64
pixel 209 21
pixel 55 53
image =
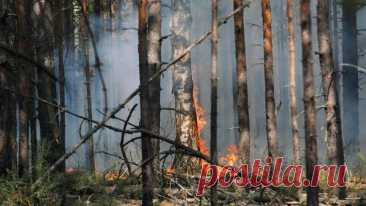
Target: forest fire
pixel 200 124
pixel 232 156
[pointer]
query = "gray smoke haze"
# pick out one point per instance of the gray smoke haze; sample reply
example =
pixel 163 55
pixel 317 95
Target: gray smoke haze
pixel 119 55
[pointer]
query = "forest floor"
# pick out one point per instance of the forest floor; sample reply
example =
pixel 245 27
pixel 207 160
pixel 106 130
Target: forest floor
pixel 80 189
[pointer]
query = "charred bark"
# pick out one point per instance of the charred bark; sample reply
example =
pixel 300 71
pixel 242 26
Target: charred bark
pixel 146 143
pixel 154 62
pixel 242 83
pixel 214 91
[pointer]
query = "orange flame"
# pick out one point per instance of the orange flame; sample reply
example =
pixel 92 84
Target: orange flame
pixel 231 157
pixel 200 124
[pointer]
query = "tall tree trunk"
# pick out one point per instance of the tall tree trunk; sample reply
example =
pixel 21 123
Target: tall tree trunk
pixel 146 118
pixel 292 85
pixel 214 91
pixel 87 72
pixel 24 44
pixel 271 121
pixel 350 80
pixel 59 31
pixel 311 156
pixel 47 114
pixel 242 82
pixel 292 82
pixel 181 23
pixel 5 162
pixel 333 116
pixel 154 61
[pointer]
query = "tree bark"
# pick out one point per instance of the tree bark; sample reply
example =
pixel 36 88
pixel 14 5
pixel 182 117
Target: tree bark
pixel 242 82
pixel 214 91
pixel 23 44
pixel 311 156
pixel 292 82
pixel 333 117
pixel 350 91
pixel 185 120
pixel 5 163
pixel 271 121
pixel 87 72
pixel 146 143
pixel 154 62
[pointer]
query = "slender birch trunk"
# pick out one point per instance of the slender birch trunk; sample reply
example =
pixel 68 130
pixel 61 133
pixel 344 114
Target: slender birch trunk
pixel 329 82
pixel 311 156
pixel 271 121
pixel 242 82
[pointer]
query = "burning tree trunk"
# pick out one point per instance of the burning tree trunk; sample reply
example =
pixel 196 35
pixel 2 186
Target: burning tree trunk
pixel 333 117
pixel 214 85
pixel 87 72
pixel 24 44
pixel 292 82
pixel 146 112
pixel 311 156
pixel 350 79
pixel 271 121
pixel 181 23
pixel 154 61
pixel 242 82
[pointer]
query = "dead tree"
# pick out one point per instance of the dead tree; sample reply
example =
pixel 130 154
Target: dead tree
pixel 145 105
pixel 214 91
pixel 311 156
pixel 154 62
pixel 271 121
pixel 350 84
pixel 332 112
pixel 242 83
pixel 181 22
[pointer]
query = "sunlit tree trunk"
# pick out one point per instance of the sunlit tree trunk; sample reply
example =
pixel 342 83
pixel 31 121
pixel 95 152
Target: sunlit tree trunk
pixel 154 61
pixel 242 82
pixel 292 82
pixel 145 105
pixel 329 82
pixel 311 156
pixel 271 121
pixel 350 80
pixel 214 91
